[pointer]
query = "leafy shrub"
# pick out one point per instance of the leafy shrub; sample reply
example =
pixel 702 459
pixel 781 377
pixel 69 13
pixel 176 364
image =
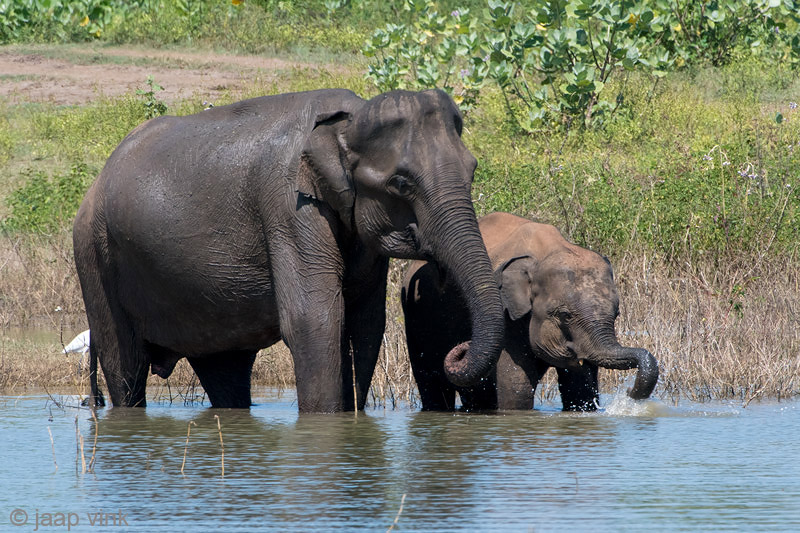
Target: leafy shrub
pixel 711 31
pixel 59 20
pixel 241 26
pixel 47 203
pixel 554 59
pixel 152 105
pixel 695 171
pixel 432 50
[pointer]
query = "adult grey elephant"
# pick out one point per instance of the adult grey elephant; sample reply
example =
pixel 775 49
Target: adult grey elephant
pixel 214 235
pixel 560 304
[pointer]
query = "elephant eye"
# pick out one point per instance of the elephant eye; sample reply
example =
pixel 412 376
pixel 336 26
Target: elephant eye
pixel 563 316
pixel 400 186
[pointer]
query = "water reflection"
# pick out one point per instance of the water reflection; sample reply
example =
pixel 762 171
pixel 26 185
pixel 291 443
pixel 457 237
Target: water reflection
pixel 673 469
pixel 278 469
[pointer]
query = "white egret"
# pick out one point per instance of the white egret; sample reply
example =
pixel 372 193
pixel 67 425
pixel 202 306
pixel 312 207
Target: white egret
pixel 80 344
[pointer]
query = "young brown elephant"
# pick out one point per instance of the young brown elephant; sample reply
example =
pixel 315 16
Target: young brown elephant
pixel 560 305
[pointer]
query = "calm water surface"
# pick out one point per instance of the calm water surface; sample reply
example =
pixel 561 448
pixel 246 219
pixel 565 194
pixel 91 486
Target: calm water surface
pixel 628 468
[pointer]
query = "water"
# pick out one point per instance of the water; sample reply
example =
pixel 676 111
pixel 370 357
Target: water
pixel 631 467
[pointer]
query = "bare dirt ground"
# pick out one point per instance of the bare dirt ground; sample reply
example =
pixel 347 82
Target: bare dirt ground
pixel 77 74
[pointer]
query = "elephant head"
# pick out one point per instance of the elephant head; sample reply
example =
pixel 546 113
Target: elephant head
pixel 567 302
pixel 398 176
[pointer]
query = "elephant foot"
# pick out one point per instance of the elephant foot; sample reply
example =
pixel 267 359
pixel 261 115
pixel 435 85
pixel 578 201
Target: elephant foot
pixel 94 400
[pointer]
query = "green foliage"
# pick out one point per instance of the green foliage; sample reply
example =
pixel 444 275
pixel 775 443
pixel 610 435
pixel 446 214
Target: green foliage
pixel 711 31
pixel 47 203
pixel 559 57
pixel 554 59
pixel 432 50
pixel 6 140
pixel 153 106
pixel 244 26
pixel 59 20
pixel 247 26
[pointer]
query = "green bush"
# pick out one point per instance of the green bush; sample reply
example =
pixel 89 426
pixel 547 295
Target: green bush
pixel 47 203
pixel 554 60
pixel 59 20
pixel 713 31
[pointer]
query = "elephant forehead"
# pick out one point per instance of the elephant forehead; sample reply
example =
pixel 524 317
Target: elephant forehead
pixel 410 117
pixel 591 282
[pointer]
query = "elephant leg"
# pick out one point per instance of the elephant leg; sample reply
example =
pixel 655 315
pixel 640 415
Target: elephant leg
pixel 436 320
pixel 429 338
pixel 578 387
pixel 436 393
pixel 225 377
pixel 122 357
pixel 482 397
pixel 125 368
pixel 516 380
pixel 114 345
pixel 365 323
pixel 427 348
pixel 314 333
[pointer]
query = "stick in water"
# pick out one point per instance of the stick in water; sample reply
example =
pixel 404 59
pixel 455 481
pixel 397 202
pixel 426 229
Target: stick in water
pixel 186 449
pixel 94 446
pixel 399 511
pixel 53 446
pixel 221 444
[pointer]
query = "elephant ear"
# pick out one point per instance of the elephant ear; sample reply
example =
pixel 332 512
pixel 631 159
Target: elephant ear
pixel 514 280
pixel 610 266
pixel 324 173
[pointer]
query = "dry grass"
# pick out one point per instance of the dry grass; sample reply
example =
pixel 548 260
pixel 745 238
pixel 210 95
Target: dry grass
pixel 727 332
pixel 25 363
pixel 39 284
pixel 731 332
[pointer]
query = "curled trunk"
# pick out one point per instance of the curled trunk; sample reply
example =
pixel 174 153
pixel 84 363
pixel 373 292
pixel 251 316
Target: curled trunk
pixel 460 251
pixel 624 358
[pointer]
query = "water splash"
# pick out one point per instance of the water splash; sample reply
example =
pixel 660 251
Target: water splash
pixel 620 404
pixel 623 405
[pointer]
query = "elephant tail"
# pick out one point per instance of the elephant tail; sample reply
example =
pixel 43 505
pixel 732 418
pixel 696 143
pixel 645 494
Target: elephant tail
pixel 90 217
pixel 96 398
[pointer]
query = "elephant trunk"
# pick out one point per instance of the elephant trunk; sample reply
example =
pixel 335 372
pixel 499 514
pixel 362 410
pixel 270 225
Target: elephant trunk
pixel 462 254
pixel 624 358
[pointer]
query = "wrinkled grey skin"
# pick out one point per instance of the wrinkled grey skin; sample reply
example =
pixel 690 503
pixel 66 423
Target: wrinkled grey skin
pixel 560 304
pixel 214 235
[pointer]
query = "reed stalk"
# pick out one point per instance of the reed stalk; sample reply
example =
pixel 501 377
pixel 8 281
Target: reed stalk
pixel 83 456
pixel 221 444
pixel 186 448
pixel 53 447
pixel 399 512
pixel 94 444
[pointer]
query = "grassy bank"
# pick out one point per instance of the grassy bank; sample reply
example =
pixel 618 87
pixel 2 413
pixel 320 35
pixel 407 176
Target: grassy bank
pixel 692 192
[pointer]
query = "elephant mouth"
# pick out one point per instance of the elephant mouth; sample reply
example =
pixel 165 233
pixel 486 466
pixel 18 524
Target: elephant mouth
pixel 406 243
pixel 412 233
